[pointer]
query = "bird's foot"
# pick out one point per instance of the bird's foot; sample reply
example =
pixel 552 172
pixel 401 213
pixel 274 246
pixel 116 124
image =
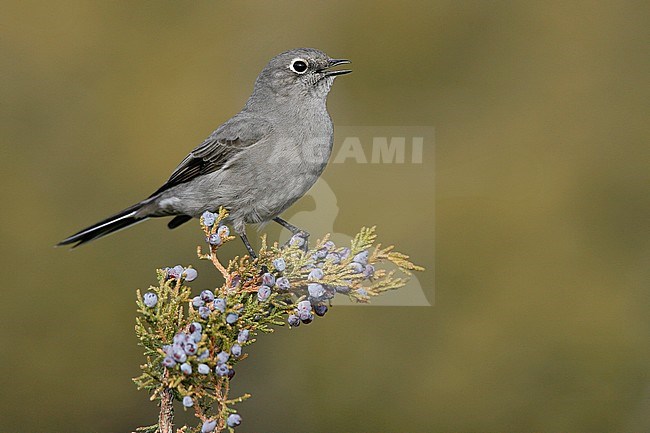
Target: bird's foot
pixel 299 239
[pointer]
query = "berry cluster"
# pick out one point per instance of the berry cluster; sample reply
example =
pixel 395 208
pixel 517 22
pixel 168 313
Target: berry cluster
pixel 193 350
pixel 271 282
pixel 179 272
pixel 216 234
pixel 329 253
pixel 318 293
pixel 190 354
pixel 315 295
pixel 208 304
pixel 233 420
pixel 281 284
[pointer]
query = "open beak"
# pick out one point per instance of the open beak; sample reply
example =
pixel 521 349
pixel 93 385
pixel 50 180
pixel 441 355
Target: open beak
pixel 335 62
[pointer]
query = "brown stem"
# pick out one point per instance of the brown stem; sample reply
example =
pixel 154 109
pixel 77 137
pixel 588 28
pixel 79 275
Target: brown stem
pixel 166 417
pixel 217 264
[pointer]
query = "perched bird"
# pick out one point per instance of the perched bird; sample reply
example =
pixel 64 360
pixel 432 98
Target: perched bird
pixel 256 164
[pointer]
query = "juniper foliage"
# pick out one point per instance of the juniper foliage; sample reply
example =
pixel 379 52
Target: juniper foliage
pixel 192 345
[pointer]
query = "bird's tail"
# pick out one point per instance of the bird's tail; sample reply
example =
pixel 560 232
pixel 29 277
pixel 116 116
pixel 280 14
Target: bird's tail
pixel 119 221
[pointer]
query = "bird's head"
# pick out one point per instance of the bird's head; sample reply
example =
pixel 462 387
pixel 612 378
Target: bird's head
pixel 300 73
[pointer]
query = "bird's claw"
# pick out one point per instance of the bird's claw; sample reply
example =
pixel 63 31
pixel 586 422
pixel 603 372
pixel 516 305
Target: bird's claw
pixel 299 239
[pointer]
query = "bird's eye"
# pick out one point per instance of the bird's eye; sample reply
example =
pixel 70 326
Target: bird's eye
pixel 299 66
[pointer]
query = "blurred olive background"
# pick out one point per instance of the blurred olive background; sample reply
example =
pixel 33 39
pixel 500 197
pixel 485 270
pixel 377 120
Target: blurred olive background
pixel 539 239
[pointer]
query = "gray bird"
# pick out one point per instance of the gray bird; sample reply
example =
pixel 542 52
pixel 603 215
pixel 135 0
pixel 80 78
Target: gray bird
pixel 258 163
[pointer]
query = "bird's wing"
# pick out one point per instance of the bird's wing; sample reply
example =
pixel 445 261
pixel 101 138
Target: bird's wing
pixel 239 133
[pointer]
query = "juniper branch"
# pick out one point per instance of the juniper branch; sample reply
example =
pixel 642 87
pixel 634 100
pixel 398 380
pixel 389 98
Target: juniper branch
pixel 192 345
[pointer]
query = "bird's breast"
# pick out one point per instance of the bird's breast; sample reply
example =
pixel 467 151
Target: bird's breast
pixel 286 167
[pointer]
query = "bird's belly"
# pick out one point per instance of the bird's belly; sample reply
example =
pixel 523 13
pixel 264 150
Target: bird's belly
pixel 277 179
pixel 276 197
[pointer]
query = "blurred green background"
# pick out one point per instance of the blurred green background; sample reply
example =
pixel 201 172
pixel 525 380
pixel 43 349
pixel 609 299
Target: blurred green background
pixel 540 182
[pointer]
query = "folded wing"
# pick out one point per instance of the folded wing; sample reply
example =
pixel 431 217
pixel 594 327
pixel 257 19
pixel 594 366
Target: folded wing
pixel 239 133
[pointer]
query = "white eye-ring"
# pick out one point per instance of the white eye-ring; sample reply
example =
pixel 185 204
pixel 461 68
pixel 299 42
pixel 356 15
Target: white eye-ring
pixel 298 65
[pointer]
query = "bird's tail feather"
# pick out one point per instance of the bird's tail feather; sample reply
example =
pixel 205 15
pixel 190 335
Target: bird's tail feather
pixel 119 221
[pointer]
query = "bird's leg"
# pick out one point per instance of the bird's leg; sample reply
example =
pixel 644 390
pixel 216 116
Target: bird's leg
pixel 287 225
pixel 294 231
pixel 247 244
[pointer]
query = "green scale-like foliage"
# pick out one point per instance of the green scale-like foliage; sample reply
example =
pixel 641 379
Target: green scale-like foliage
pixel 174 312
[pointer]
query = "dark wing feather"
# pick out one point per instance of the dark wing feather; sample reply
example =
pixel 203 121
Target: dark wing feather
pixel 240 132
